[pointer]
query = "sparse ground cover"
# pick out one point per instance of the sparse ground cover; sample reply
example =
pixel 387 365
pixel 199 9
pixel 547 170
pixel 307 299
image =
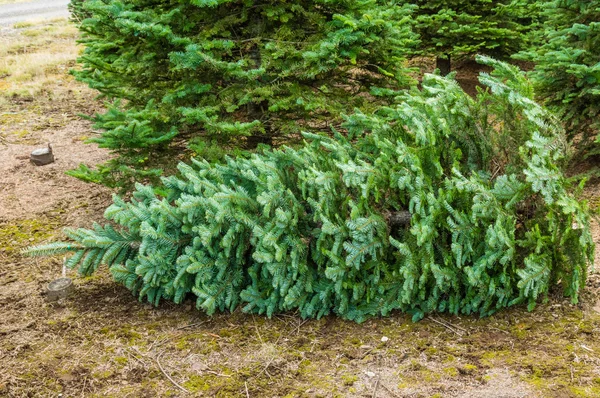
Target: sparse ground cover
pixel 13 1
pixel 102 342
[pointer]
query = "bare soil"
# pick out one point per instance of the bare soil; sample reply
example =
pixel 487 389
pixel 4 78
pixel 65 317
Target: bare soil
pixel 102 342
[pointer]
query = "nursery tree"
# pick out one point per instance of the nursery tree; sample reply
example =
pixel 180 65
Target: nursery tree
pixel 441 203
pixel 77 10
pixel 218 74
pixel 567 70
pixel 454 27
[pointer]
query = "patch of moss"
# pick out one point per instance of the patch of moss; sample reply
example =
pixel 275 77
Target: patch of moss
pixel 451 371
pixel 16 236
pixel 490 358
pixel 467 369
pixel 121 360
pixel 587 391
pixel 349 380
pixel 198 383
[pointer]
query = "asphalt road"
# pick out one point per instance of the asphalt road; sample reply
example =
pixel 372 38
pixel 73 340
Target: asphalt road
pixel 32 10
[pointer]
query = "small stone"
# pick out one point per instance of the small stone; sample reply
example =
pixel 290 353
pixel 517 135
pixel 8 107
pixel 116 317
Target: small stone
pixel 370 374
pixel 384 339
pixel 42 156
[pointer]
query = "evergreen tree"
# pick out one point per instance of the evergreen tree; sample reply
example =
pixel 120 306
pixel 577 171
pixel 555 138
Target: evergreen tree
pixel 77 11
pixel 441 203
pixel 567 70
pixel 448 28
pixel 219 74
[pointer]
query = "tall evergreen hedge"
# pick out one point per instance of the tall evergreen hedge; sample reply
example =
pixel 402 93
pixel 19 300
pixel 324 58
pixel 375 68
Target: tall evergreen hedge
pixel 442 202
pixel 212 75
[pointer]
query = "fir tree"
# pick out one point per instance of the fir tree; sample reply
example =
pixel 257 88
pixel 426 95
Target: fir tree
pixel 442 202
pixel 77 11
pixel 217 74
pixel 567 70
pixel 449 28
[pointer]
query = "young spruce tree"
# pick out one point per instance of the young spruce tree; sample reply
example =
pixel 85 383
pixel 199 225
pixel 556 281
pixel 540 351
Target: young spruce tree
pixel 214 74
pixel 567 70
pixel 448 28
pixel 443 202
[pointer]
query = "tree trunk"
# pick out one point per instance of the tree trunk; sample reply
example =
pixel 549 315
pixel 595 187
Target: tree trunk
pixel 399 219
pixel 255 109
pixel 253 141
pixel 443 64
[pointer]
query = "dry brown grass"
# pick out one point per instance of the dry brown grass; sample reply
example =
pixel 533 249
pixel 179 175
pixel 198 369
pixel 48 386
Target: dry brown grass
pixel 13 1
pixel 34 56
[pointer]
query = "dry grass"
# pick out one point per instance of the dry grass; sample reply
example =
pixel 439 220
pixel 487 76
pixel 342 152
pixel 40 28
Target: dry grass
pixel 102 342
pixel 14 1
pixel 35 56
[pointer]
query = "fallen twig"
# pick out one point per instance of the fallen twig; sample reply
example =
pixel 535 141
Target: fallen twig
pixel 168 376
pixel 17 329
pixel 500 330
pixel 299 326
pixel 453 328
pixel 572 378
pixel 212 372
pixel 158 343
pixel 266 367
pixel 388 390
pixel 376 385
pixel 257 332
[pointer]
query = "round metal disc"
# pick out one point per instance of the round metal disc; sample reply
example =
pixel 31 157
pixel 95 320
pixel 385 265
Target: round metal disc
pixel 39 152
pixel 60 284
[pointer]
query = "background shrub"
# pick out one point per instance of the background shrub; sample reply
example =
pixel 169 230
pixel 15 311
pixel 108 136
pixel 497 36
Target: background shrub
pixel 211 76
pixel 567 68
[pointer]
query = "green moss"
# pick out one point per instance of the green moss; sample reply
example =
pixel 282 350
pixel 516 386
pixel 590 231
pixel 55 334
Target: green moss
pixel 416 365
pixel 468 369
pixel 198 383
pixel 20 133
pixel 16 236
pixel 489 358
pixel 587 392
pixel 121 360
pixel 225 333
pixel 349 380
pixel 521 330
pixel 102 375
pixel 451 371
pixel 431 351
pixel 450 358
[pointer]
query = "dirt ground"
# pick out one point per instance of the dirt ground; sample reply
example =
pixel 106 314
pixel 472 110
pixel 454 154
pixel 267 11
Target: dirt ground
pixel 102 342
